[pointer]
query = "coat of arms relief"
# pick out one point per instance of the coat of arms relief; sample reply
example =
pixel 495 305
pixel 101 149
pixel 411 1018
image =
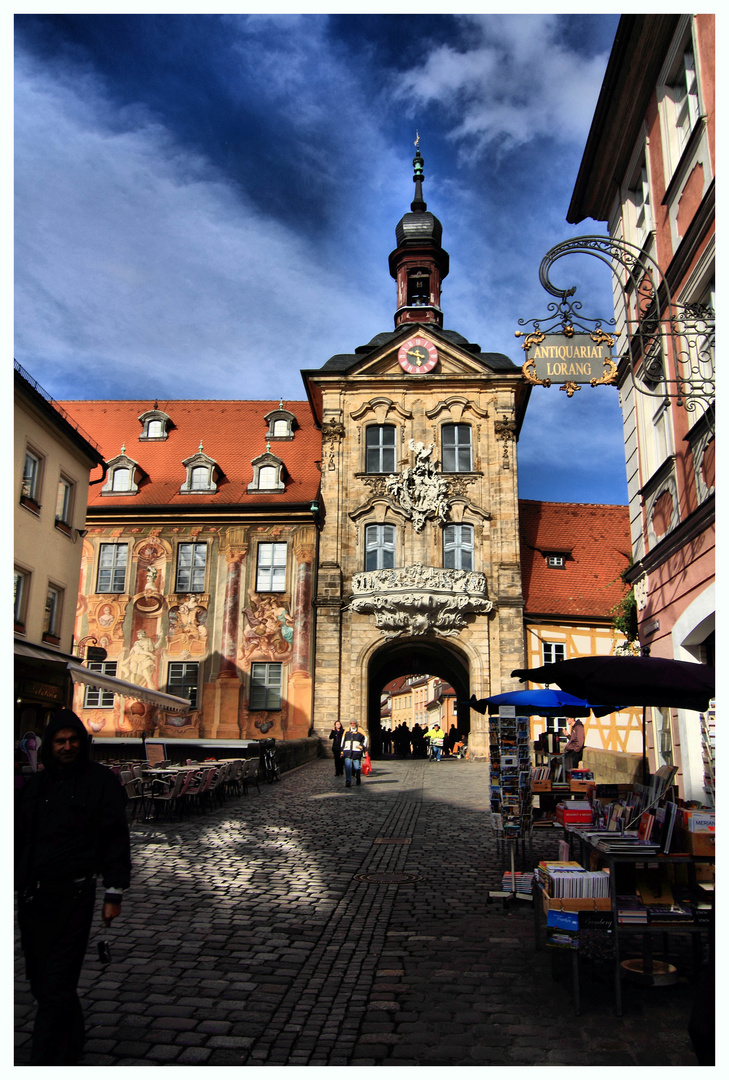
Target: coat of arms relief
pixel 417 599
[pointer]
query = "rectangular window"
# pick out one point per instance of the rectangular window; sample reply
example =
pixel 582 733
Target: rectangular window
pixel 380 445
pixel 552 652
pixel 52 614
pixel 31 476
pixel 456 443
pixel 271 572
pixel 64 501
pixel 555 560
pixel 96 697
pixel 182 681
pixel 21 586
pixel 458 547
pixel 112 572
pixel 379 547
pixel 685 95
pixel 191 560
pixel 265 686
pixel 639 198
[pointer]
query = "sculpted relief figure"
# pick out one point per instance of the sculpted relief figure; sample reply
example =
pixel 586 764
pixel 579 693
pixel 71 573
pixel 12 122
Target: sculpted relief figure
pixel 419 491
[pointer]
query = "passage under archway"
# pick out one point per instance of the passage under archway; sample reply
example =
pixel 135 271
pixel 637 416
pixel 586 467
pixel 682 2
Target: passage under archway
pixel 415 657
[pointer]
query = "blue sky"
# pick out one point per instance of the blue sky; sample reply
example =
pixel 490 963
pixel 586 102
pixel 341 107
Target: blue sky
pixel 205 204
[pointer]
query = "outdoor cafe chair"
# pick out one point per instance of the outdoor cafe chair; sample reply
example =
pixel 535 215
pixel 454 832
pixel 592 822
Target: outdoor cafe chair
pixel 165 792
pixel 249 774
pixel 198 790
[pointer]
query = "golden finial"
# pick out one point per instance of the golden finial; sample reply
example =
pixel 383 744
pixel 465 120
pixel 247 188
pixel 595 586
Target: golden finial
pixel 417 139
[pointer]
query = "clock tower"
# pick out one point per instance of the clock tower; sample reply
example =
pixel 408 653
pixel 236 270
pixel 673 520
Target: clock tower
pixel 418 569
pixel 419 262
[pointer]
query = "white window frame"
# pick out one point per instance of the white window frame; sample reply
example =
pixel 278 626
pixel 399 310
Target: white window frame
pixel 32 477
pixel 266 686
pixel 380 546
pixel 461 451
pixel 190 572
pixel 117 569
pixel 555 561
pixel 553 652
pixel 180 682
pixel 679 96
pixel 199 475
pixel 274 481
pixel 380 456
pixel 271 565
pixel 149 432
pixel 53 613
pixel 97 697
pixel 458 547
pixel 21 592
pixel 64 501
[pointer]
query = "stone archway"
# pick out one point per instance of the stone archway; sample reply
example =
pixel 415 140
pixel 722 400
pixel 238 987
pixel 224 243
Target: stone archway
pixel 415 657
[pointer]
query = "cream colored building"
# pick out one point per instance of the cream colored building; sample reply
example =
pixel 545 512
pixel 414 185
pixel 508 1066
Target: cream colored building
pixel 53 460
pixel 419 566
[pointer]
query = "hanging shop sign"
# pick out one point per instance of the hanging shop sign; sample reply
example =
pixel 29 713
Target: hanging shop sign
pixel 569 357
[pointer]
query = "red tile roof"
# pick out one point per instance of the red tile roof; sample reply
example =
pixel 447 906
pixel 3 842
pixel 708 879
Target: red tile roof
pixel 233 433
pixel 596 542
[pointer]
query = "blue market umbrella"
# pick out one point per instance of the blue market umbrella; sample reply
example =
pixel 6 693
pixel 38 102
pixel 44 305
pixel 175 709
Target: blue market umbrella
pixel 536 703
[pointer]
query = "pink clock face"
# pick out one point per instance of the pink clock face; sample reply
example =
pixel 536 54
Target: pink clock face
pixel 417 356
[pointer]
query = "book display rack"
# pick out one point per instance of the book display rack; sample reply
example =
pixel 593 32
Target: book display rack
pixel 643 867
pixel 510 788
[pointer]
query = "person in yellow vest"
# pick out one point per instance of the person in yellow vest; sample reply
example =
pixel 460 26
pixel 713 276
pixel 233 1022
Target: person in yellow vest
pixel 436 736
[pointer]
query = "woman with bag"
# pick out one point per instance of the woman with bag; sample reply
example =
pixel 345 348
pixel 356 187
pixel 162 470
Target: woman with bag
pixel 336 735
pixel 354 745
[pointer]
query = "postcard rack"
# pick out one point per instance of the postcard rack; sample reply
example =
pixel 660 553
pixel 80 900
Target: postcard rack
pixel 510 785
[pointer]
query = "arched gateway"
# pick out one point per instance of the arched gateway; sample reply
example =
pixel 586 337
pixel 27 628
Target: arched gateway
pixel 419 566
pixel 412 657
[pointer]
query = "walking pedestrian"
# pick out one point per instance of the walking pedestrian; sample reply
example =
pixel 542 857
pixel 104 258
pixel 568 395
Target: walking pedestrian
pixel 71 826
pixel 354 745
pixel 336 735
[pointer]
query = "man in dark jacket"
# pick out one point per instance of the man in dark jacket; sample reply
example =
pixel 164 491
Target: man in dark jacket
pixel 71 826
pixel 354 745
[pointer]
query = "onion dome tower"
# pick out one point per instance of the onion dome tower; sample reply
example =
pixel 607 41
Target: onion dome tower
pixel 419 262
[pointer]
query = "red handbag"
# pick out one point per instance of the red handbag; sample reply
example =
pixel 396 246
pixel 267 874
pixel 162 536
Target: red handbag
pixel 366 765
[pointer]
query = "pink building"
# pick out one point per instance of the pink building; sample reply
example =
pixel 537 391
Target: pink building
pixel 648 171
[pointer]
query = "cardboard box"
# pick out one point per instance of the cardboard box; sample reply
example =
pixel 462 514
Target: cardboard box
pixel 602 903
pixel 697 843
pixel 577 812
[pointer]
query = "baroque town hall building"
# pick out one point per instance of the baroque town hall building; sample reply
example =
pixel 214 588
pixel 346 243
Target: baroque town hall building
pixel 278 563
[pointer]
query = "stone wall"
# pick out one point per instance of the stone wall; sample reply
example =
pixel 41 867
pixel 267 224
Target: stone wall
pixel 611 767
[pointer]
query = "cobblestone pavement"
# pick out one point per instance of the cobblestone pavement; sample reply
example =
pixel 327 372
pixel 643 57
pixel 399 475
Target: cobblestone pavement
pixel 251 935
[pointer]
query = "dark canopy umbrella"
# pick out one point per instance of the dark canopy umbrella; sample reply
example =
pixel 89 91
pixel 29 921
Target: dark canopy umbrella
pixel 634 680
pixel 536 703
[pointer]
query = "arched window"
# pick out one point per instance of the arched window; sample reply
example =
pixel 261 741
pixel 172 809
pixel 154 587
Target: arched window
pixel 121 480
pixel 380 449
pixel 268 477
pixel 155 429
pixel 379 547
pixel 200 478
pixel 457 448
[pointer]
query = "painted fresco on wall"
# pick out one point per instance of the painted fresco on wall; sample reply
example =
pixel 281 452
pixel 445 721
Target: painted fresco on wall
pixel 268 633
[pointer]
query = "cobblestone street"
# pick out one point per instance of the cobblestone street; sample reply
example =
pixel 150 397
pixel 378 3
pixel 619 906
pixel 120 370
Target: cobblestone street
pixel 252 935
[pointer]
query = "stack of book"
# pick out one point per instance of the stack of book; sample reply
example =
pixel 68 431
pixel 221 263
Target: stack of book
pixel 631 911
pixel 542 871
pixel 579 884
pixel 522 882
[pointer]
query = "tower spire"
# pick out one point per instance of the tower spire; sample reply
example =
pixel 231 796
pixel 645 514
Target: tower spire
pixel 419 262
pixel 418 205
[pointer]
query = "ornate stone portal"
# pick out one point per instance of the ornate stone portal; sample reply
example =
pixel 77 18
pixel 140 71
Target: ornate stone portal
pixel 416 599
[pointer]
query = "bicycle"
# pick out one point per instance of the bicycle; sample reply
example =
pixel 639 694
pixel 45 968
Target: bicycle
pixel 269 761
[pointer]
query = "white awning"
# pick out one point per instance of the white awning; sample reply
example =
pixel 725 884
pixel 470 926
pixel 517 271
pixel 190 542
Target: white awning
pixel 166 702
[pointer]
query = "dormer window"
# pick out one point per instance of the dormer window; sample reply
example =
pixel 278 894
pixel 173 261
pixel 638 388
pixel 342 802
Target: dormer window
pixel 556 561
pixel 280 423
pixel 123 476
pixel 154 425
pixel 200 474
pixel 267 473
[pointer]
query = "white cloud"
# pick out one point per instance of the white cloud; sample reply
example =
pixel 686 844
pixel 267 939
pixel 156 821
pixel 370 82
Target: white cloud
pixel 138 265
pixel 515 83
